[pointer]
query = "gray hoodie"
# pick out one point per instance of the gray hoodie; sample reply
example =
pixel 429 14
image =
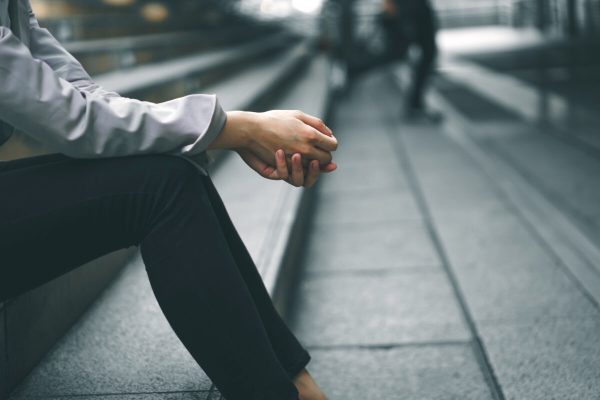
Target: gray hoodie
pixel 49 104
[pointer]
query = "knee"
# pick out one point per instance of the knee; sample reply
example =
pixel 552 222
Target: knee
pixel 175 166
pixel 173 182
pixel 168 173
pixel 182 180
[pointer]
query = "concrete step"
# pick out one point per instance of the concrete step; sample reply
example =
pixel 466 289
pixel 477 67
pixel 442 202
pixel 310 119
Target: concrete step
pixel 100 56
pixel 184 75
pixel 553 182
pixel 96 20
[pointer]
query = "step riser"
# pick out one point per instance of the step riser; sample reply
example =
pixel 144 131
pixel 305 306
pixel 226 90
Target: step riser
pixel 31 324
pixel 107 59
pixel 196 82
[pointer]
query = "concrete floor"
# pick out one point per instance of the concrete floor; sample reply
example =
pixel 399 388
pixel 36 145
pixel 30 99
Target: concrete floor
pixel 423 280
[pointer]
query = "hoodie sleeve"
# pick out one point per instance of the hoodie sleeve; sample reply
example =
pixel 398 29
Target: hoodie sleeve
pixel 46 93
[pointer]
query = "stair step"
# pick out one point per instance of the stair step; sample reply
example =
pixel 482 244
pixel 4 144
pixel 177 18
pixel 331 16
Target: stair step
pixel 101 56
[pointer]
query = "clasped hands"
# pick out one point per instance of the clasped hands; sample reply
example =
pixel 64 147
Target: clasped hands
pixel 280 144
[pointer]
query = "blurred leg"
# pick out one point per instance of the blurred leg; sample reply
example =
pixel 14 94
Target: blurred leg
pixel 58 213
pixel 426 42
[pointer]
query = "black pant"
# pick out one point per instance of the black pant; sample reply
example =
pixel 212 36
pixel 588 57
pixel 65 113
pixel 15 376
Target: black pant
pixel 424 39
pixel 57 213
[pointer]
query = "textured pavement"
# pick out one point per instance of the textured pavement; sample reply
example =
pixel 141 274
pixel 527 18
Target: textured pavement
pixel 423 281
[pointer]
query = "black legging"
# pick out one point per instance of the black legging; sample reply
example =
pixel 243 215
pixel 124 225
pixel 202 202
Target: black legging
pixel 425 27
pixel 58 213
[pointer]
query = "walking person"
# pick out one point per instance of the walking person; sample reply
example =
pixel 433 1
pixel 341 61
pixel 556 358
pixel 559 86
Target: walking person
pixel 417 24
pixel 84 172
pixel 390 30
pixel 404 24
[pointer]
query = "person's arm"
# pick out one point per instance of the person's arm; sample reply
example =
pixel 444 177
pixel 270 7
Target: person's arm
pixel 45 47
pixel 77 117
pixel 88 123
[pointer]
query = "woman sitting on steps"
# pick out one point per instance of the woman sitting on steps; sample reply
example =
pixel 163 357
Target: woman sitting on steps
pixel 85 172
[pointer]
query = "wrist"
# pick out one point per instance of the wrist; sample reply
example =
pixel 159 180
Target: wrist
pixel 238 132
pixel 244 125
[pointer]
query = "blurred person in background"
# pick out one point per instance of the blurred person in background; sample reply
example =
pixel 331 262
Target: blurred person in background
pixel 391 30
pixel 412 23
pixel 85 172
pixel 403 24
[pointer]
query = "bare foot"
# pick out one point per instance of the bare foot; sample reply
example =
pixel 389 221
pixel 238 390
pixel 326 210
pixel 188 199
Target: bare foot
pixel 307 387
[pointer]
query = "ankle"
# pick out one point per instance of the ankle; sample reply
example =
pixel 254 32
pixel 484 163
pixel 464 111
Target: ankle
pixel 307 387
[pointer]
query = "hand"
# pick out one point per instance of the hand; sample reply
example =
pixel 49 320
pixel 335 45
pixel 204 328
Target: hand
pixel 264 133
pixel 299 175
pixel 295 132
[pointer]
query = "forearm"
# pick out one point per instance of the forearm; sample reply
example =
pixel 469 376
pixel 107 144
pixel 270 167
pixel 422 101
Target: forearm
pixel 35 100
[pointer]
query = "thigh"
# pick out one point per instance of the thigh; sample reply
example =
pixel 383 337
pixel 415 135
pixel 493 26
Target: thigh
pixel 58 213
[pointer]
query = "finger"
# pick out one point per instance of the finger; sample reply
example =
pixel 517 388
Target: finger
pixel 271 173
pixel 316 123
pixel 329 167
pixel 313 174
pixel 303 160
pixel 328 143
pixel 281 164
pixel 315 153
pixel 264 169
pixel 297 172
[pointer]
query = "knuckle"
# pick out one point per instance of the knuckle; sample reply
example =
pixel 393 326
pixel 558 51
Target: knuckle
pixel 306 149
pixel 304 132
pixel 310 135
pixel 302 149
